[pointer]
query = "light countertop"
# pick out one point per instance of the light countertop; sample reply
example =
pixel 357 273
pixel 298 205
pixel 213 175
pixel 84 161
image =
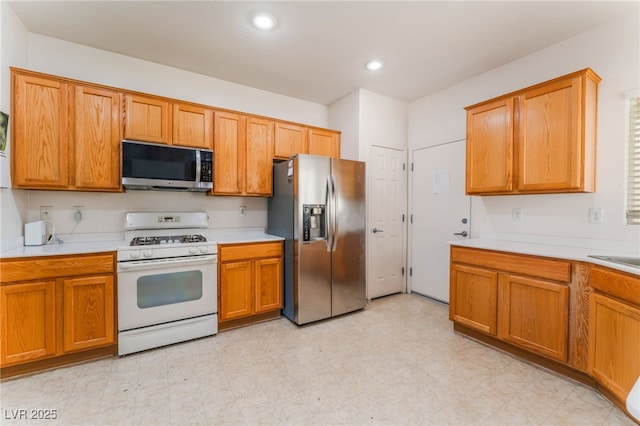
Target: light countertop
pixel 579 254
pixel 221 236
pixel 232 236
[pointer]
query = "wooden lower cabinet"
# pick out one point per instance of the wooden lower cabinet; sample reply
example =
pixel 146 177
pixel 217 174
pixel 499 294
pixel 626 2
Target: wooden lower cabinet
pixel 474 298
pixel 614 330
pixel 522 300
pixel 28 315
pixel 88 317
pixel 250 282
pixel 533 314
pixel 54 308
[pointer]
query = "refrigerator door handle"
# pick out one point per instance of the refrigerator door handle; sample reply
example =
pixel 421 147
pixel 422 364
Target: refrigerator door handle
pixel 328 215
pixel 334 214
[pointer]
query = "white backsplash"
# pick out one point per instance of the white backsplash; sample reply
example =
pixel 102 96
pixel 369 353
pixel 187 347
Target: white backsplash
pixel 104 212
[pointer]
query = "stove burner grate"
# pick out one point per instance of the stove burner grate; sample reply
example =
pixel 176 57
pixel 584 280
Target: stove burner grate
pixel 175 239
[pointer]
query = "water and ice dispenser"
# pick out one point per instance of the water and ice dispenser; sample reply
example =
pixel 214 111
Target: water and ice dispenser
pixel 313 222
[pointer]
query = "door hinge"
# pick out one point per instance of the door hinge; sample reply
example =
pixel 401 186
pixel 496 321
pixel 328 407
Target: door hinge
pixel 403 270
pixel 411 218
pixel 411 166
pixel 404 166
pixel 410 272
pixel 402 217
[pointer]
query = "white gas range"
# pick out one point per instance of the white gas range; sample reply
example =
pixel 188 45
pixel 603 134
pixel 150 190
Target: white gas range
pixel 167 280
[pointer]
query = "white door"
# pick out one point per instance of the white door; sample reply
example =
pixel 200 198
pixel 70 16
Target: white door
pixel 385 242
pixel 440 210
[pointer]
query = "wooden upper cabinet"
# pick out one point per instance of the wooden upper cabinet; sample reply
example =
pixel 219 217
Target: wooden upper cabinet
pixel 323 142
pixel 40 132
pixel 550 146
pixel 147 119
pixel 259 157
pixel 490 147
pixel 192 126
pixel 243 155
pixel 289 139
pixel 228 158
pixel 97 139
pixel 541 139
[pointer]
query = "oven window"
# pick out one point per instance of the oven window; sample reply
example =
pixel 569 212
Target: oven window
pixel 170 288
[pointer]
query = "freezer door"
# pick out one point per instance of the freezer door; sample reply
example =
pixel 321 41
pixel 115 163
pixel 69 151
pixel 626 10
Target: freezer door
pixel 349 255
pixel 312 288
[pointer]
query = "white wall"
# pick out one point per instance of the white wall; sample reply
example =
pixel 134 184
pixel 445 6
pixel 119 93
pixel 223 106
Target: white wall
pixel 366 119
pixel 613 52
pixel 104 213
pixel 383 122
pixel 344 114
pixel 13 51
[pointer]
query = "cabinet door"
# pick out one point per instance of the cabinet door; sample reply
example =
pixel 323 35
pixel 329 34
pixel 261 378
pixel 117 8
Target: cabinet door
pixel 40 128
pixel 28 318
pixel 614 344
pixel 550 151
pixel 147 119
pixel 228 146
pixel 259 157
pixel 88 319
pixel 474 298
pixel 269 284
pixel 490 147
pixel 289 140
pixel 533 313
pixel 323 142
pixel 236 290
pixel 192 126
pixel 97 139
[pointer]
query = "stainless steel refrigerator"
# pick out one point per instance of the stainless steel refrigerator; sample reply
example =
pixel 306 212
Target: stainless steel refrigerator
pixel 318 206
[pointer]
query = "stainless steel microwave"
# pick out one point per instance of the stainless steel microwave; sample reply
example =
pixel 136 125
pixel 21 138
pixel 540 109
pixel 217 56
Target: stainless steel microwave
pixel 158 167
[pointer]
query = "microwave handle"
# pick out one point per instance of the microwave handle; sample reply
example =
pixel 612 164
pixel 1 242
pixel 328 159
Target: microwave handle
pixel 198 166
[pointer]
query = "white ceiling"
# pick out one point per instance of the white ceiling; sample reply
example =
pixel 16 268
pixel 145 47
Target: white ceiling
pixel 319 48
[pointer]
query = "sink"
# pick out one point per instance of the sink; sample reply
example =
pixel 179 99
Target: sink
pixel 634 262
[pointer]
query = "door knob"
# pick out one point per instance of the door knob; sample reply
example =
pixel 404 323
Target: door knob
pixel 463 233
pixel 376 230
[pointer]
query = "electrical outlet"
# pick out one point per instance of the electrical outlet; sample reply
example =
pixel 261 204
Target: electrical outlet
pixel 596 215
pixel 243 210
pixel 78 213
pixel 516 214
pixel 46 213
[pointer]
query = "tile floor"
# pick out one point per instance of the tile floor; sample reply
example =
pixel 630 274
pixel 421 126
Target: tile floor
pixel 396 362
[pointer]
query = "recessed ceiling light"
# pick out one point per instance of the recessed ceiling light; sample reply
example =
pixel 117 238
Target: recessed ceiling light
pixel 375 64
pixel 264 21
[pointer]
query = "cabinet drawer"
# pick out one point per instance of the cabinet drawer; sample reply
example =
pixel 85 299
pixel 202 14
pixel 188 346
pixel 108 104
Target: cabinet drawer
pixel 556 270
pixel 36 268
pixel 228 252
pixel 616 283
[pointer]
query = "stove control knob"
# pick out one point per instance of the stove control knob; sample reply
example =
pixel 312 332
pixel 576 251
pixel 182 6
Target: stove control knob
pixel 147 253
pixel 134 254
pixel 203 249
pixel 193 250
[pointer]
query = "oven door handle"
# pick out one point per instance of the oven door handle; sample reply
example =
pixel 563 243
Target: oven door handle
pixel 167 263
